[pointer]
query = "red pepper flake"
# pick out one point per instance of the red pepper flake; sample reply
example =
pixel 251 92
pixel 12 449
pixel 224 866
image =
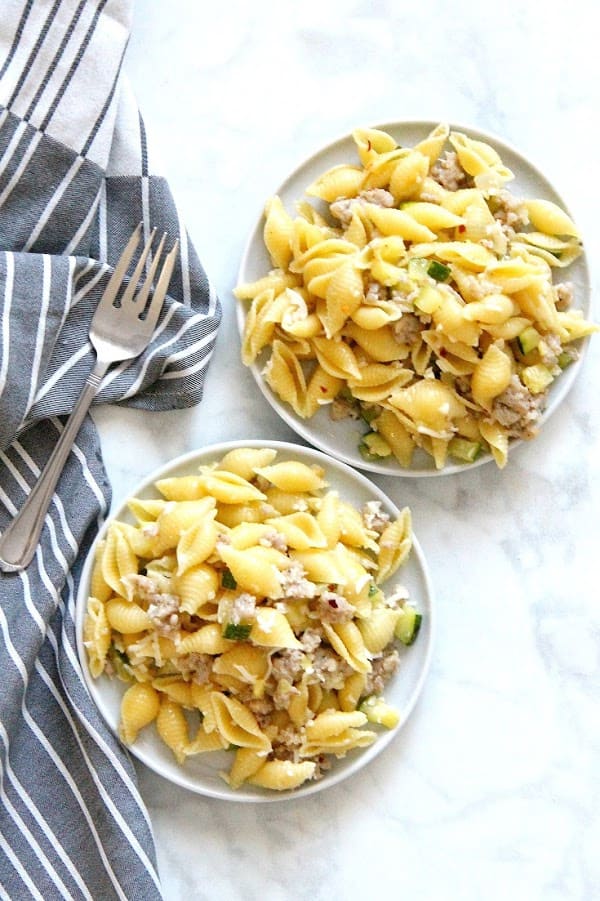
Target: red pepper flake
pixel 442 352
pixel 462 228
pixel 323 389
pixel 333 603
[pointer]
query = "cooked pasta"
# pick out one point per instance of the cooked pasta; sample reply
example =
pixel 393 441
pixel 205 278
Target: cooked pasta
pixel 273 635
pixel 426 273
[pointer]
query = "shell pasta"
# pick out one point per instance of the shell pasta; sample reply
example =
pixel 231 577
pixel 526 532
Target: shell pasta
pixel 411 288
pixel 253 614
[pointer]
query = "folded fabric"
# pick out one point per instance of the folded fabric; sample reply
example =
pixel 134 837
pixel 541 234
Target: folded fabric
pixel 75 179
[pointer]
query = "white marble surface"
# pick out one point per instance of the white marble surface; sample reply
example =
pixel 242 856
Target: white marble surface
pixel 492 790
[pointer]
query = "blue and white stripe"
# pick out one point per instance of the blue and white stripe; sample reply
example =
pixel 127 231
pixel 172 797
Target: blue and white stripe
pixel 73 184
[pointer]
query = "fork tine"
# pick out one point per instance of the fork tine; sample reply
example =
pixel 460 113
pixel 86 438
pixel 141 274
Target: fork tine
pixel 142 295
pixel 116 279
pixel 162 284
pixel 133 282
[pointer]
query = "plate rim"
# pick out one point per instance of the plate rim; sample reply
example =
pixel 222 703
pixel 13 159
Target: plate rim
pixel 300 426
pixel 252 794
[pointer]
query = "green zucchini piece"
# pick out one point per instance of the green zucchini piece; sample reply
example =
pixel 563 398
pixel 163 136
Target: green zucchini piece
pixel 464 450
pixel 408 625
pixel 417 269
pixel 565 359
pixel 228 579
pixel 374 447
pixel 378 711
pixel 536 377
pixel 528 339
pixel 237 631
pixel 438 271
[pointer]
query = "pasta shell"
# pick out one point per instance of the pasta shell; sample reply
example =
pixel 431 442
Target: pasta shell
pixel 277 233
pixel 197 543
pixel 377 630
pixel 432 145
pixel 478 159
pixel 175 689
pixel 497 439
pixel 491 376
pixel 271 629
pixel 395 545
pixel 284 375
pixel 493 309
pixel 237 724
pixel 243 461
pixel 99 587
pixel 205 741
pixel 139 707
pixel 246 763
pixel 118 559
pixel 339 181
pixel 172 727
pixel 322 388
pixel 96 636
pixel 548 217
pixel 398 438
pixel 181 488
pixel 345 638
pixel 176 518
pixel 276 281
pixel 336 357
pixel 301 530
pixel 293 475
pixel 207 639
pixel 196 586
pixel 430 404
pixel 350 694
pixel 345 293
pixel 408 175
pixel 397 222
pixel 256 570
pixel 229 488
pixel 370 142
pixel 432 215
pixel 282 775
pixel 126 617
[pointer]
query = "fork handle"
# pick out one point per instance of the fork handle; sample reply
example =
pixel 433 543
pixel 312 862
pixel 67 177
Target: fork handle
pixel 20 539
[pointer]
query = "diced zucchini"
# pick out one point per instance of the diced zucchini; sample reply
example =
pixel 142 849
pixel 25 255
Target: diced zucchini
pixel 121 664
pixel 536 377
pixel 369 412
pixel 528 339
pixel 428 299
pixel 464 450
pixel 378 711
pixel 408 625
pixel 420 269
pixel 228 579
pixel 438 271
pixel 374 447
pixel 417 269
pixel 236 631
pixel 565 359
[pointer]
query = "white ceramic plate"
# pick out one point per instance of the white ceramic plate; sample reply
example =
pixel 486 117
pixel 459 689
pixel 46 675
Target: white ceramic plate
pixel 201 773
pixel 341 439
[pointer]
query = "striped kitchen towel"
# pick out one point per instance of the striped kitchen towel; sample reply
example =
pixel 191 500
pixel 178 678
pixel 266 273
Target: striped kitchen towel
pixel 75 178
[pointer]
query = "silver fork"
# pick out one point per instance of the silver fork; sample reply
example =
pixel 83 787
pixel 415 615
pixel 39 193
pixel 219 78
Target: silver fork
pixel 116 333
